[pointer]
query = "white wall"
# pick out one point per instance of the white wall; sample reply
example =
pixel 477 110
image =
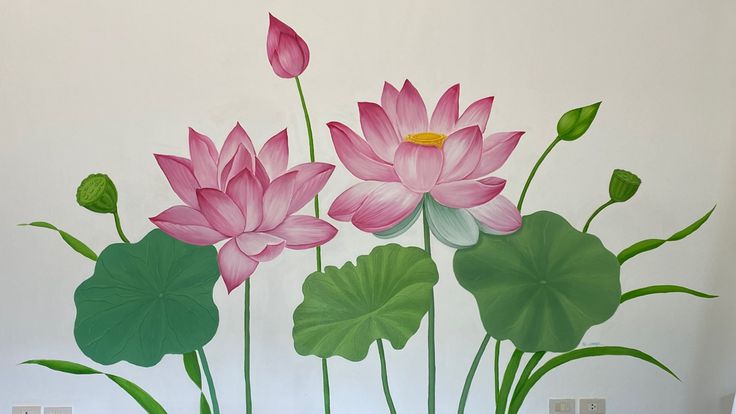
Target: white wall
pixel 88 86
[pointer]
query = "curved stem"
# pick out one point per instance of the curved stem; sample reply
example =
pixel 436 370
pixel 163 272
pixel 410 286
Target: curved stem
pixel 528 368
pixel 496 356
pixel 595 213
pixel 431 365
pixel 508 379
pixel 318 249
pixel 534 171
pixel 210 382
pixel 471 374
pixel 384 378
pixel 246 347
pixel 119 228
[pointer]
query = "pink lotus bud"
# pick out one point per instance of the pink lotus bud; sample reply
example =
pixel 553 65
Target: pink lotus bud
pixel 287 51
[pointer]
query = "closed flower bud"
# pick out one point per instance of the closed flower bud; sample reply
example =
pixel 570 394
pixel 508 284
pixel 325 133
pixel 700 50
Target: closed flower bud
pixel 623 185
pixel 573 124
pixel 98 193
pixel 287 52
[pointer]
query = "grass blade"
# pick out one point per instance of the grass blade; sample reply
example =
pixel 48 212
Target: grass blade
pixel 72 241
pixel 657 289
pixel 191 365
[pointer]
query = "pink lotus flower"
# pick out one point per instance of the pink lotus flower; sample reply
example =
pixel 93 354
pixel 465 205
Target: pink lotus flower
pixel 287 51
pixel 246 198
pixel 407 157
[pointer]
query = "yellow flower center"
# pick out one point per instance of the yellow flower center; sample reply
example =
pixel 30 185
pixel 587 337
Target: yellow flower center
pixel 428 139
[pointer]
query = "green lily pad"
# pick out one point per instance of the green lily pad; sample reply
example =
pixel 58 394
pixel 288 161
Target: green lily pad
pixel 385 295
pixel 542 287
pixel 146 300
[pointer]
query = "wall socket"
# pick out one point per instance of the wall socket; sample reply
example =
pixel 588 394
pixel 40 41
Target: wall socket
pixel 561 406
pixel 57 410
pixel 592 406
pixel 26 409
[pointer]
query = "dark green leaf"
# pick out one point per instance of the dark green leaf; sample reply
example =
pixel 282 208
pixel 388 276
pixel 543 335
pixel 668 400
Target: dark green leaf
pixel 72 241
pixel 384 296
pixel 143 398
pixel 651 244
pixel 653 290
pixel 146 300
pixel 573 124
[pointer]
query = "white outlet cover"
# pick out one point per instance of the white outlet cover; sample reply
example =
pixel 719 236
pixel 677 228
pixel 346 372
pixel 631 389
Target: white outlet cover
pixel 57 410
pixel 592 406
pixel 27 409
pixel 561 406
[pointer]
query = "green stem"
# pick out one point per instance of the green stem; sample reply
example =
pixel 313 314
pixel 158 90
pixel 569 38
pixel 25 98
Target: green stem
pixel 496 356
pixel 384 378
pixel 210 382
pixel 508 380
pixel 471 374
pixel 318 249
pixel 431 365
pixel 528 368
pixel 246 348
pixel 595 213
pixel 534 171
pixel 119 227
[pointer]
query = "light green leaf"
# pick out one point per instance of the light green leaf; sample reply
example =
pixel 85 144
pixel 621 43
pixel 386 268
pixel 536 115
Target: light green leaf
pixel 146 300
pixel 454 227
pixel 653 290
pixel 72 241
pixel 573 124
pixel 384 296
pixel 191 366
pixel 543 286
pixel 651 244
pixel 403 225
pixel 143 398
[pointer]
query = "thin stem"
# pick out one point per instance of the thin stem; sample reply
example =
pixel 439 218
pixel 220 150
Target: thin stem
pixel 471 374
pixel 210 382
pixel 496 356
pixel 508 379
pixel 528 368
pixel 318 249
pixel 431 365
pixel 384 378
pixel 534 171
pixel 119 227
pixel 246 347
pixel 595 213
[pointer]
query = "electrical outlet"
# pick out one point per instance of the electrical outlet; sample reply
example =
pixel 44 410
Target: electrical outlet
pixel 27 409
pixel 57 410
pixel 561 406
pixel 592 406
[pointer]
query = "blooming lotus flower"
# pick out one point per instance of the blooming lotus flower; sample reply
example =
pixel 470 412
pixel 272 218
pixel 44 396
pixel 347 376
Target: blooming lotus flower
pixel 442 163
pixel 287 51
pixel 244 197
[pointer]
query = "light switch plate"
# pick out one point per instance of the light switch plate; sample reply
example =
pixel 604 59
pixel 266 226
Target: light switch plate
pixel 57 410
pixel 27 409
pixel 561 406
pixel 592 406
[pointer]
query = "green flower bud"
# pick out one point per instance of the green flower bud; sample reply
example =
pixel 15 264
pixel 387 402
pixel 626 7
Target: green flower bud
pixel 573 124
pixel 98 193
pixel 623 185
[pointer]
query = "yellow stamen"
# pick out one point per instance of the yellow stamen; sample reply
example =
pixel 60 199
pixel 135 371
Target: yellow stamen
pixel 428 139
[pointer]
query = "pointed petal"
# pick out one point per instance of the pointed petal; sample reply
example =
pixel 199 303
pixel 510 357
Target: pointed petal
pixel 261 174
pixel 262 247
pixel 204 159
pixel 496 150
pixel 275 154
pixel 234 140
pixel 241 161
pixel 181 177
pixel 378 130
pixel 411 111
pixel 418 166
pixel 276 200
pixel 388 101
pixel 498 216
pixel 477 114
pixel 358 157
pixel 453 227
pixel 235 266
pixel 446 112
pixel 468 193
pixel 304 232
pixel 188 225
pixel 347 203
pixel 221 211
pixel 310 179
pixel 385 207
pixel 462 151
pixel 247 193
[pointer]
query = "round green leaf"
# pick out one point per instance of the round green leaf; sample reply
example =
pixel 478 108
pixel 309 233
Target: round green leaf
pixel 385 295
pixel 146 300
pixel 542 287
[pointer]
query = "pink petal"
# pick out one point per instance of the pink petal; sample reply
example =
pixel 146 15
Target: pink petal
pixel 204 159
pixel 241 161
pixel 498 216
pixel 347 203
pixel 304 232
pixel 496 150
pixel 188 225
pixel 275 154
pixel 235 266
pixel 247 193
pixel 275 28
pixel 446 112
pixel 378 130
pixel 292 58
pixel 310 180
pixel 468 193
pixel 419 166
pixel 358 157
pixel 462 151
pixel 221 211
pixel 476 114
pixel 385 207
pixel 410 110
pixel 260 246
pixel 234 140
pixel 388 101
pixel 181 177
pixel 276 200
pixel 261 174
